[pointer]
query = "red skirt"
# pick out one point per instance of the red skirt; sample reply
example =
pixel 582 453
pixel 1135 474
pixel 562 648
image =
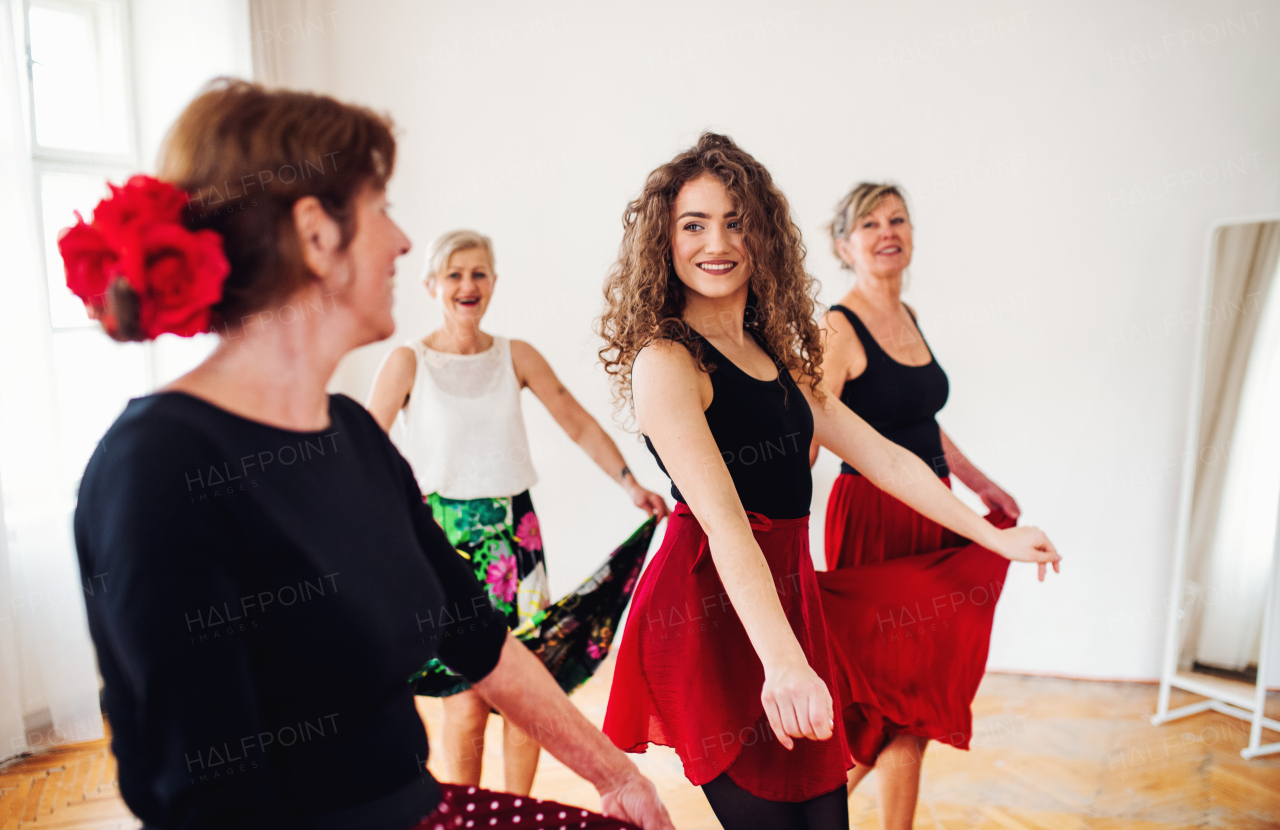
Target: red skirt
pixel 472 807
pixel 909 606
pixel 688 677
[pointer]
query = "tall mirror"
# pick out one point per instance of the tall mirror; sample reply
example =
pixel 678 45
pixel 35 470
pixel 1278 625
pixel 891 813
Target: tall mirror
pixel 1221 635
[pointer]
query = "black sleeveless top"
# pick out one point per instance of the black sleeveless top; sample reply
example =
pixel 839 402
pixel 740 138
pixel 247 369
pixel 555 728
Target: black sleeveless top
pixel 900 401
pixel 763 429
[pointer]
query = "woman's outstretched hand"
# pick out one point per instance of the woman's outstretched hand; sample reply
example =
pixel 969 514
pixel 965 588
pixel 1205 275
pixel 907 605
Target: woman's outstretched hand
pixel 522 689
pixel 1028 544
pixel 635 799
pixel 650 502
pixel 798 704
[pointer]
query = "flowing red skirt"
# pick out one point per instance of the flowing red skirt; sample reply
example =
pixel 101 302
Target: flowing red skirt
pixel 472 807
pixel 909 606
pixel 687 677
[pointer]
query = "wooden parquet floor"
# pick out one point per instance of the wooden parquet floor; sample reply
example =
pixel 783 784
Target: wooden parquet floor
pixel 72 786
pixel 1047 754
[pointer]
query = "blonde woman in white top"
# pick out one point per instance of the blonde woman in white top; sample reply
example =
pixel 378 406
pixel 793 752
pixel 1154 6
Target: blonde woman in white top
pixel 459 388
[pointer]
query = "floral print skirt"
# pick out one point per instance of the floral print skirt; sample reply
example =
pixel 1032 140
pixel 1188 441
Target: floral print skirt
pixel 503 541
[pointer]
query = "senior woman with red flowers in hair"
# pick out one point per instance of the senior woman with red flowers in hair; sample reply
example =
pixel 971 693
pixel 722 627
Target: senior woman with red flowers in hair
pixel 276 576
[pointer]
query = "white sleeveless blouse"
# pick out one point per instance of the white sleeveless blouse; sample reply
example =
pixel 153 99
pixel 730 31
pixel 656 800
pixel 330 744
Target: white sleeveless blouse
pixel 464 432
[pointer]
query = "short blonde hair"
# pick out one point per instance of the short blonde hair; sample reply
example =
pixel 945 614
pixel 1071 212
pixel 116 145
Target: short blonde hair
pixel 449 244
pixel 859 202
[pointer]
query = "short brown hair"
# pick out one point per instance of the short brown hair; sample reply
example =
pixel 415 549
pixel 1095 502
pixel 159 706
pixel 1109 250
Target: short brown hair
pixel 245 154
pixel 857 203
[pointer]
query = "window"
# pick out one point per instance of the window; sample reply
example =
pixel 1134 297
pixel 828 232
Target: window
pixel 83 133
pixel 79 100
pixel 80 119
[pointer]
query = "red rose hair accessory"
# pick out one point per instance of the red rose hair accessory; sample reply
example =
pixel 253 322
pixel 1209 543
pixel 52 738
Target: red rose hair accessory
pixel 137 252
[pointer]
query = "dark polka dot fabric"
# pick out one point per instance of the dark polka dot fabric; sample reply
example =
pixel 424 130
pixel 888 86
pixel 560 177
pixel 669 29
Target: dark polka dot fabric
pixel 472 807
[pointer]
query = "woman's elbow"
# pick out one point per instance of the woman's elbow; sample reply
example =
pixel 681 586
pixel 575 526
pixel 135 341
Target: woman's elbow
pixel 894 469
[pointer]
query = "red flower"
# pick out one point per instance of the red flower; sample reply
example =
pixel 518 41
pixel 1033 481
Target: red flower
pixel 183 278
pixel 140 201
pixel 137 234
pixel 87 258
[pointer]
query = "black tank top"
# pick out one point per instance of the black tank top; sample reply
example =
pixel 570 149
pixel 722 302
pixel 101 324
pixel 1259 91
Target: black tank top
pixel 763 429
pixel 900 401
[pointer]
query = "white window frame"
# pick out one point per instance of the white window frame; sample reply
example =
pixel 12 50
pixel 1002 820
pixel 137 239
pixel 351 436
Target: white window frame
pixel 100 166
pixel 39 153
pixel 58 160
pixel 103 166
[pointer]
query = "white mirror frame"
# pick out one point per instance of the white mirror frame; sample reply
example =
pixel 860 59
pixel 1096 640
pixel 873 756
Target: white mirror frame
pixel 1219 699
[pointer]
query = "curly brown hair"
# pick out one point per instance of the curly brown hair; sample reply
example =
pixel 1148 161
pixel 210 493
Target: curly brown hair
pixel 645 300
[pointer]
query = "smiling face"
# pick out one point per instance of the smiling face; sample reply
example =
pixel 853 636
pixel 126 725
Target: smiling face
pixel 880 243
pixel 371 256
pixel 707 246
pixel 465 285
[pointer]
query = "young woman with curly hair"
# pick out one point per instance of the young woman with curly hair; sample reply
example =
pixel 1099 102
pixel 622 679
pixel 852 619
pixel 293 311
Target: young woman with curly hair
pixel 710 337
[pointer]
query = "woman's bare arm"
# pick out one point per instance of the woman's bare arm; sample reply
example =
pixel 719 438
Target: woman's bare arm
pixel 392 386
pixel 901 474
pixel 992 495
pixel 524 692
pixel 671 395
pixel 842 352
pixel 534 371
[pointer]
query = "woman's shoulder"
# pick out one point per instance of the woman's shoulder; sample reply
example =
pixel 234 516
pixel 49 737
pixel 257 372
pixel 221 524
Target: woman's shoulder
pixel 839 320
pixel 666 355
pixel 349 414
pixel 520 349
pixel 842 338
pixel 158 446
pixel 402 361
pixel 666 364
pixel 168 427
pixel 162 422
pixel 664 374
pixel 526 361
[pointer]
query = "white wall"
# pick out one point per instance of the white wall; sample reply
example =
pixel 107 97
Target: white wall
pixel 1065 160
pixel 178 46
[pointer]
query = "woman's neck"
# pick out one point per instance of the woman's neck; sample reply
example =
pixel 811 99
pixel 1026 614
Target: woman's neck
pixel 275 372
pixel 459 337
pixel 717 318
pixel 880 293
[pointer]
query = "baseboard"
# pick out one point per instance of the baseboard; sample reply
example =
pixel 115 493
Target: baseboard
pixel 1149 681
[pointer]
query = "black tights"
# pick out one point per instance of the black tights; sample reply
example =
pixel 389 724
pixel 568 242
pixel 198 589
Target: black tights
pixel 738 809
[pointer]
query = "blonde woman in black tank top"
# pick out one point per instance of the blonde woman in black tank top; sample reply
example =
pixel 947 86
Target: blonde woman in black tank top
pixel 877 247
pixel 736 676
pixel 878 364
